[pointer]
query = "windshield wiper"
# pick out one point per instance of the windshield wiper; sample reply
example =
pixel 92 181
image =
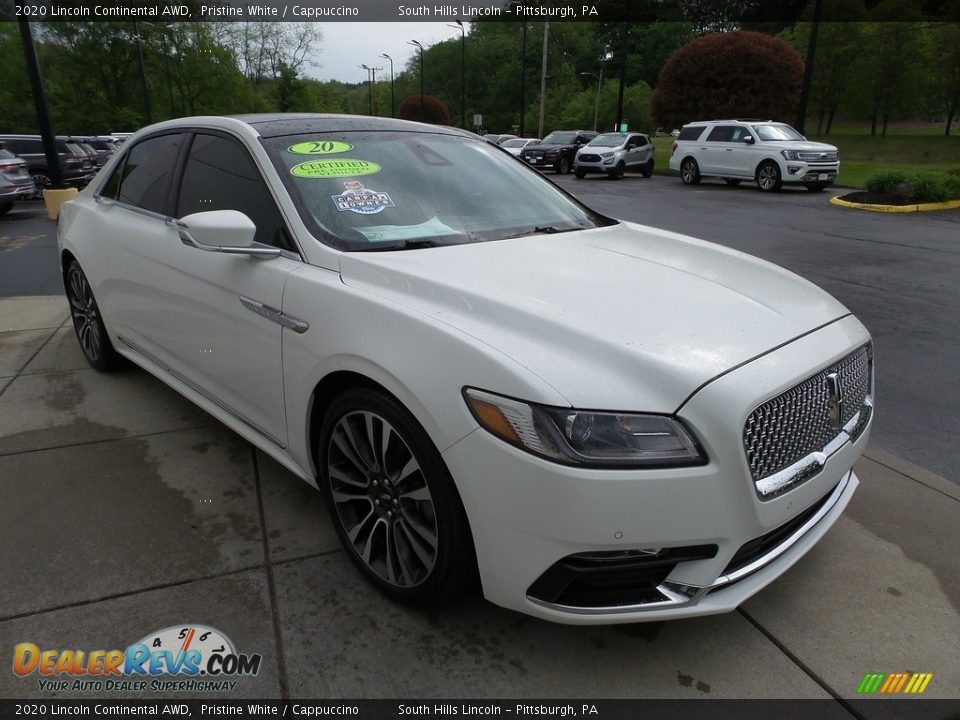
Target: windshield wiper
pixel 402 245
pixel 542 230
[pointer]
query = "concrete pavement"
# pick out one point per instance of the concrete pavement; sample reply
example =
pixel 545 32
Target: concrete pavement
pixel 123 510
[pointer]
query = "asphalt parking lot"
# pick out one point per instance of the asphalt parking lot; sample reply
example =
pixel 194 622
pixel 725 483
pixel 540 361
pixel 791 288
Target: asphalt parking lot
pixel 126 510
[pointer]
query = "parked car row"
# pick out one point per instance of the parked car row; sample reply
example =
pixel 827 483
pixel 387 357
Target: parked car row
pixel 772 154
pixel 80 157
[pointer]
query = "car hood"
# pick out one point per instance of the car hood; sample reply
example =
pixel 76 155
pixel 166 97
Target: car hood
pixel 624 317
pixel 801 145
pixel 549 146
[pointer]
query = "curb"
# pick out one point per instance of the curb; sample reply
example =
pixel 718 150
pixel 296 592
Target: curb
pixel 916 207
pixel 914 472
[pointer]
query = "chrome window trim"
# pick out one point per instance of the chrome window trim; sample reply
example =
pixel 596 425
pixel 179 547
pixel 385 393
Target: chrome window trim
pixel 201 391
pixel 679 594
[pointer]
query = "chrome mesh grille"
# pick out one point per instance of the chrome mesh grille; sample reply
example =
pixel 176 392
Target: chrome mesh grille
pixel 817 155
pixel 787 428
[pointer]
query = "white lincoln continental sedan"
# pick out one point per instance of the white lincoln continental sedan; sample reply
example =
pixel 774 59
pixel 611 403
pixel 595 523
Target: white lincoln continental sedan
pixel 494 387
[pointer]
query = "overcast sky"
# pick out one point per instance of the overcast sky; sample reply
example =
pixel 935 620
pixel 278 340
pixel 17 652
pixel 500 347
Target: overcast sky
pixel 346 46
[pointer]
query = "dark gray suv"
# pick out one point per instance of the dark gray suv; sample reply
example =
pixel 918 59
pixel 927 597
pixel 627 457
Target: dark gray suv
pixel 75 164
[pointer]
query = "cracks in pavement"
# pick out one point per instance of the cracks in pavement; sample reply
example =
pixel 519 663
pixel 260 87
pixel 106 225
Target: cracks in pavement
pixel 23 367
pixel 801 664
pixel 271 585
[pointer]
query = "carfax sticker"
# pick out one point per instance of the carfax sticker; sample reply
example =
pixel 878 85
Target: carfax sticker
pixel 334 168
pixel 356 198
pixel 320 147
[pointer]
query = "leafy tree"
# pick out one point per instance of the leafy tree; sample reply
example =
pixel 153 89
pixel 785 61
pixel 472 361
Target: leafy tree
pixel 945 75
pixel 734 74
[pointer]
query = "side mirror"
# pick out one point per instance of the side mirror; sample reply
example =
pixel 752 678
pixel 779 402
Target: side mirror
pixel 225 231
pixel 748 139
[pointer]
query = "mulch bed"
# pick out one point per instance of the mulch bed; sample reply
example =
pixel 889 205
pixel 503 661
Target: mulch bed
pixel 872 198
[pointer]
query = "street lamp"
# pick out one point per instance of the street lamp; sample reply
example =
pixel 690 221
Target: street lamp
pixel 143 74
pixel 596 103
pixel 419 45
pixel 463 73
pixel 384 55
pixel 371 73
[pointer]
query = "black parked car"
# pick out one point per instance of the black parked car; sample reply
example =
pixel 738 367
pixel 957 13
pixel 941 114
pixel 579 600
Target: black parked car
pixel 75 164
pixel 557 150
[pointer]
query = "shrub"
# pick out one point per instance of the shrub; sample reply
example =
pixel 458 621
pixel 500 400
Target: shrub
pixel 930 187
pixel 729 74
pixel 886 182
pixel 432 111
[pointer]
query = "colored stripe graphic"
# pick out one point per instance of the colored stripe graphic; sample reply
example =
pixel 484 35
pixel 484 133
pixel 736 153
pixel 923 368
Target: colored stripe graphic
pixel 894 683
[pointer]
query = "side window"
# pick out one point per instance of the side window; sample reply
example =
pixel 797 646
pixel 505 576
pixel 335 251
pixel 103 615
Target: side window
pixel 112 186
pixel 221 175
pixel 721 133
pixel 691 133
pixel 740 132
pixel 640 141
pixel 148 171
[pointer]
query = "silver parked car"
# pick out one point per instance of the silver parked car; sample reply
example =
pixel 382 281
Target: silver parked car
pixel 15 181
pixel 614 154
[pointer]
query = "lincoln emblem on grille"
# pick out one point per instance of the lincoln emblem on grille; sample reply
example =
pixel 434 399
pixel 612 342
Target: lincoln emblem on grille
pixel 835 404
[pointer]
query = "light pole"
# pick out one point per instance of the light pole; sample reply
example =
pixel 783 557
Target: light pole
pixel 392 112
pixel 414 42
pixel 596 103
pixel 369 85
pixel 40 103
pixel 463 73
pixel 143 75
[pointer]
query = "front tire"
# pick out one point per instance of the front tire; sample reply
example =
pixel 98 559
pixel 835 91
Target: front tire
pixel 393 502
pixel 88 322
pixel 41 180
pixel 618 171
pixel 563 166
pixel 579 174
pixel 690 172
pixel 768 177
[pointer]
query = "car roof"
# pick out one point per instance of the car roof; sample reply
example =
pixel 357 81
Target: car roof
pixel 732 120
pixel 280 124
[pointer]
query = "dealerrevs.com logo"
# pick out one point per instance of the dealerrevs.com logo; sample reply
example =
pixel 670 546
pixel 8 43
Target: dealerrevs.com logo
pixel 200 658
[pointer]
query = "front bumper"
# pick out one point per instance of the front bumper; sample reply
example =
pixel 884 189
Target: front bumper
pixel 596 167
pixel 797 171
pixel 528 514
pixel 543 163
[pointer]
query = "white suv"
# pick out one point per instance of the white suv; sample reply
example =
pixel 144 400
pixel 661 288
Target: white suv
pixel 770 153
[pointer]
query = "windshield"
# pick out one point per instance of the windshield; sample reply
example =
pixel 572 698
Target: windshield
pixel 373 190
pixel 608 140
pixel 515 143
pixel 560 138
pixel 777 131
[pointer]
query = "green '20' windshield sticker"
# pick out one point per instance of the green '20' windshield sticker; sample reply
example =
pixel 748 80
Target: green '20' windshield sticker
pixel 334 168
pixel 320 147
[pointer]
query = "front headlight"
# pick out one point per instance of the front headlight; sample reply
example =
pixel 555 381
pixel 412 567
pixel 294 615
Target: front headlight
pixel 789 154
pixel 586 438
pixel 606 155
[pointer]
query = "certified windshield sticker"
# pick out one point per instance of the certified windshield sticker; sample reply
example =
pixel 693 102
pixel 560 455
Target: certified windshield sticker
pixel 320 147
pixel 356 198
pixel 334 168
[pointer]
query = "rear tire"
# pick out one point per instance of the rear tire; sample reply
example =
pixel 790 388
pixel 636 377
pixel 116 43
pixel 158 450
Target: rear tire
pixel 768 177
pixel 690 171
pixel 647 169
pixel 5 208
pixel 393 502
pixel 40 181
pixel 88 322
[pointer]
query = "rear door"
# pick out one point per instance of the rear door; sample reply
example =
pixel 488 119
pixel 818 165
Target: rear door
pixel 715 149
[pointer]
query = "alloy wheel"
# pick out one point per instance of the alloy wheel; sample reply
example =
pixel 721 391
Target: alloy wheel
pixel 688 172
pixel 767 178
pixel 382 499
pixel 86 317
